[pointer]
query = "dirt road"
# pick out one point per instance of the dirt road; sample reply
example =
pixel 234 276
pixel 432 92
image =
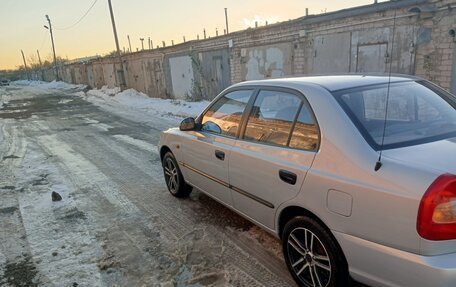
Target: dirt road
pixel 116 224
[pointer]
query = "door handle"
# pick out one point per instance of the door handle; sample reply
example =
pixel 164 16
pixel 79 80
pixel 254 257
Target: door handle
pixel 220 155
pixel 288 176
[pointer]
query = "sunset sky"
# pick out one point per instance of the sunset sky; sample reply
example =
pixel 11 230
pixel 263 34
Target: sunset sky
pixel 22 21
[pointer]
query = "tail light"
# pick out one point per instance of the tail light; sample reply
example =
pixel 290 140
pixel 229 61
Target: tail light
pixel 437 213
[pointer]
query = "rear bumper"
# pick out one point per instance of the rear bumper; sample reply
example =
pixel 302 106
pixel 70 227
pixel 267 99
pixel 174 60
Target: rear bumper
pixel 379 265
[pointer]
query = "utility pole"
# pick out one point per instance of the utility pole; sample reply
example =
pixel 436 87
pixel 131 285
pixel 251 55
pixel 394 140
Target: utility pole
pixel 41 65
pixel 142 42
pixel 25 66
pixel 129 43
pixel 226 20
pixel 53 48
pixel 39 58
pixel 120 72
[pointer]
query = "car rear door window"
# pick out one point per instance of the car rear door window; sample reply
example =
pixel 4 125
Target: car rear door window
pixel 305 133
pixel 272 117
pixel 224 116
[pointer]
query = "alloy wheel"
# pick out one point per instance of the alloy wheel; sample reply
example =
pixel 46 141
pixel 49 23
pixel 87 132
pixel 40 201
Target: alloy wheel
pixel 171 175
pixel 308 257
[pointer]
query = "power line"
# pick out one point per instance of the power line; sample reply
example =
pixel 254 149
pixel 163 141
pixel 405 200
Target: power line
pixel 80 19
pixel 44 39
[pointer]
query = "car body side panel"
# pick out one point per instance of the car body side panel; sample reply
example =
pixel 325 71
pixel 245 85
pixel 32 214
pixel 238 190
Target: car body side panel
pixel 392 267
pixel 385 203
pixel 202 168
pixel 172 138
pixel 254 168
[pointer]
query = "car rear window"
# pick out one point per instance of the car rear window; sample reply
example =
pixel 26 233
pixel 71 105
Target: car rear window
pixel 417 112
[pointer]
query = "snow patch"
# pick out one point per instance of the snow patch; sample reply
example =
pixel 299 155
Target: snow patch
pixel 103 127
pixel 140 101
pixel 54 85
pixel 87 174
pixel 138 143
pixel 62 102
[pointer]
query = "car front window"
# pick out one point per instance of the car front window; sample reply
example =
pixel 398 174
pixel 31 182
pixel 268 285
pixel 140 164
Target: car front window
pixel 224 116
pixel 416 113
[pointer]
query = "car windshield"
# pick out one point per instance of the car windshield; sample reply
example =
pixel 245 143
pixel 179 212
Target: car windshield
pixel 417 112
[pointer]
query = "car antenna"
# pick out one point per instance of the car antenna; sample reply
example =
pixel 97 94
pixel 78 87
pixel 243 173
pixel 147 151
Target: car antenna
pixel 379 164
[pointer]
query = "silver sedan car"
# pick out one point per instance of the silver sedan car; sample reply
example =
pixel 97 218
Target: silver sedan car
pixel 355 174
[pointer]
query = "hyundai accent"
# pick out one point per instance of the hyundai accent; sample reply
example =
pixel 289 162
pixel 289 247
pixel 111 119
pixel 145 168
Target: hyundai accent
pixel 355 174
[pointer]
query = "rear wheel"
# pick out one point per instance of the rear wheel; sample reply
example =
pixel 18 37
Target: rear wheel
pixel 173 177
pixel 312 255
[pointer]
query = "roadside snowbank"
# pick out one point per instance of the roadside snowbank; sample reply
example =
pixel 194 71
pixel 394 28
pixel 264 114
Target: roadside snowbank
pixel 140 101
pixel 48 85
pixel 126 100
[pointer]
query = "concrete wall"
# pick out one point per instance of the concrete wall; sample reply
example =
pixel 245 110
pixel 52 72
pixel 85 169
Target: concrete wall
pixel 410 36
pixel 271 61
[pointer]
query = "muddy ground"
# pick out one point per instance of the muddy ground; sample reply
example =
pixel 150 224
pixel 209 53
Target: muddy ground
pixel 116 224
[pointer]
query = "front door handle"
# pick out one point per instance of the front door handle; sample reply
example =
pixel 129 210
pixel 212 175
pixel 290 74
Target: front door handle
pixel 288 176
pixel 220 155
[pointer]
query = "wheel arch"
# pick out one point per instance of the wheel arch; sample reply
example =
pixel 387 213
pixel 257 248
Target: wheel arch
pixel 292 211
pixel 163 150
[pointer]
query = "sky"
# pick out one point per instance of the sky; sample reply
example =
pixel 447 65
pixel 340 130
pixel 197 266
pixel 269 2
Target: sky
pixel 22 22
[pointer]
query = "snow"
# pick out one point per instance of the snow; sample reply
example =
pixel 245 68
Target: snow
pixel 130 100
pixel 48 85
pixel 116 224
pixel 137 143
pixel 139 101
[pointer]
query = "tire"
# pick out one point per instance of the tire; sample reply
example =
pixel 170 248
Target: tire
pixel 312 255
pixel 174 178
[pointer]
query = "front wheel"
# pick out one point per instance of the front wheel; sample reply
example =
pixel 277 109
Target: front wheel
pixel 174 178
pixel 312 255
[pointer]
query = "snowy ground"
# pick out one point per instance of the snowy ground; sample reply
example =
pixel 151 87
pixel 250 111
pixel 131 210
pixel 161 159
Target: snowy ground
pixel 116 224
pixel 136 100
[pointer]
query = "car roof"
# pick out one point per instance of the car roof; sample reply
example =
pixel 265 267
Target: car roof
pixel 333 82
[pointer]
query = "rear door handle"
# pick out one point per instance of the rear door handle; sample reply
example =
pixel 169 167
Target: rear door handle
pixel 288 176
pixel 220 155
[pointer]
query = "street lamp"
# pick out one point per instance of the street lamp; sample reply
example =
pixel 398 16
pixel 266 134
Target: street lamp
pixel 53 47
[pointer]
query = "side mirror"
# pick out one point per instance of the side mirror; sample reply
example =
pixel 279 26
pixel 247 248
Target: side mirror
pixel 188 124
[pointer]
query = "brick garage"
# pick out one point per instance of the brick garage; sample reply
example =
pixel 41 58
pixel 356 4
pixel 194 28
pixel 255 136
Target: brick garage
pixel 355 40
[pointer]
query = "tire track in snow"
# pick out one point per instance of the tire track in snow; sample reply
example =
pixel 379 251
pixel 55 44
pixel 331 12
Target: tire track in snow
pixel 124 167
pixel 102 153
pixel 87 176
pixel 59 239
pixel 138 143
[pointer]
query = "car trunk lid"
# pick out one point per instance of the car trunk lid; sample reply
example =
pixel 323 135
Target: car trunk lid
pixel 439 155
